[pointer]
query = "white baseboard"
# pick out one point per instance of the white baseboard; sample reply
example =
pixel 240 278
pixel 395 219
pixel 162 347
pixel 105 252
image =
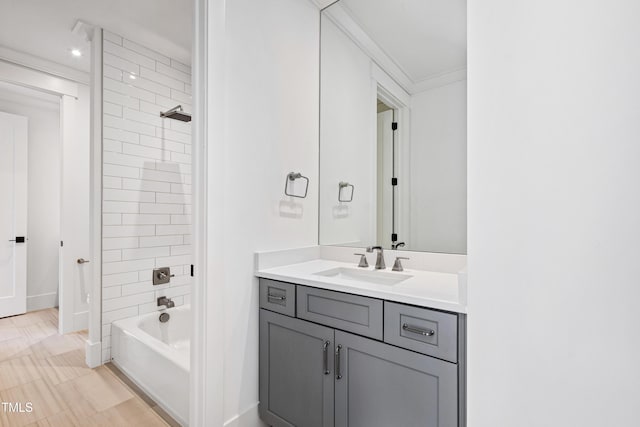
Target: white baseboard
pixel 42 301
pixel 78 322
pixel 81 321
pixel 248 418
pixel 93 353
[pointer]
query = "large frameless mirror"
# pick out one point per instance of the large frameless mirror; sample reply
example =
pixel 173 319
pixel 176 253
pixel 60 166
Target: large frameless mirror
pixel 393 125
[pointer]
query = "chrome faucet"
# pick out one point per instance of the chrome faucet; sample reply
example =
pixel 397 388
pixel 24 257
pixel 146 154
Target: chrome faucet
pixel 397 245
pixel 379 258
pixel 166 302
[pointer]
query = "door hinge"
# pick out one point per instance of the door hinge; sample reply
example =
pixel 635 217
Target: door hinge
pixel 191 270
pixel 394 126
pixel 394 237
pixel 394 181
pixel 61 243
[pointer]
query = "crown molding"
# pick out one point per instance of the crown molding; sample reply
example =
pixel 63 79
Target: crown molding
pixel 323 3
pixel 439 80
pixel 345 22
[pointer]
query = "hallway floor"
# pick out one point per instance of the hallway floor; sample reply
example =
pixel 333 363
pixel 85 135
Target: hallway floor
pixel 39 366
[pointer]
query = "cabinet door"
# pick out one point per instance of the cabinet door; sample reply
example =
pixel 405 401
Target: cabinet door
pixel 296 372
pixel 379 385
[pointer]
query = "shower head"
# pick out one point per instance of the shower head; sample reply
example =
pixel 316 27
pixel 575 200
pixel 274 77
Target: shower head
pixel 176 113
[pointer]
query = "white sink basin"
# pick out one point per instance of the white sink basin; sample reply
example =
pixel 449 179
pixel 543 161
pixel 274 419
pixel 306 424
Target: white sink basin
pixel 365 276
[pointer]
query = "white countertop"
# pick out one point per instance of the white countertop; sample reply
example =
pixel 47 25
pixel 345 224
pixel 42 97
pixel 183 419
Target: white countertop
pixel 424 288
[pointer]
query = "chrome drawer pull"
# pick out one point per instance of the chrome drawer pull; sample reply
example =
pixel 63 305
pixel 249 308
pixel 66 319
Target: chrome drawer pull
pixel 414 330
pixel 325 357
pixel 338 373
pixel 277 297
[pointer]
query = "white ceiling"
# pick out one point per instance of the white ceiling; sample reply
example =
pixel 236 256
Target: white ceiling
pixel 43 27
pixel 425 38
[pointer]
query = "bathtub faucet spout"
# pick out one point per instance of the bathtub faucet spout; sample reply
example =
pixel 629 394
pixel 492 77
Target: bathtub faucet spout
pixel 166 302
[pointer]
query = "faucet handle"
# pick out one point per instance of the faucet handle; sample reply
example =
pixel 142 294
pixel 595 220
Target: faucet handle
pixel 363 261
pixel 397 266
pixel 397 245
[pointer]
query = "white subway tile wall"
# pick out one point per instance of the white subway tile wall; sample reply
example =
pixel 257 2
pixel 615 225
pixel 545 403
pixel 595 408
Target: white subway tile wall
pixel 146 181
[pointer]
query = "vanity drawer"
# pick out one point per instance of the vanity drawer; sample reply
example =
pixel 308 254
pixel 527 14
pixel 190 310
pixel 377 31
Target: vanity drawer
pixel 353 313
pixel 278 296
pixel 422 330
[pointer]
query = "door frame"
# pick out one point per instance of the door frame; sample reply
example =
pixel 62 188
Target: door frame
pixel 69 318
pixel 207 298
pixel 93 345
pixel 400 101
pixel 384 229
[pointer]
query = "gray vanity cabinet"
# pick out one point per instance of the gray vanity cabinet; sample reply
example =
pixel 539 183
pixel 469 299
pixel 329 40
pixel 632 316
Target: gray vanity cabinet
pixel 334 364
pixel 296 372
pixel 379 385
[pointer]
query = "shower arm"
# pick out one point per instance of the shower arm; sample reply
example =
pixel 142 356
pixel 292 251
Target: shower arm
pixel 173 110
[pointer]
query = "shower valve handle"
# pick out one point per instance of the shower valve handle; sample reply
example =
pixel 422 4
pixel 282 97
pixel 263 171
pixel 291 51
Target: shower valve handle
pixel 162 275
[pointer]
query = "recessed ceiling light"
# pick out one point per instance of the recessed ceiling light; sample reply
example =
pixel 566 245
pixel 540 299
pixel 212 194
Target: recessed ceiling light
pixel 76 52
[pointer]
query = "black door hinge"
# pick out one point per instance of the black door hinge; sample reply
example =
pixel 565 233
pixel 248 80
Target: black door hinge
pixel 61 243
pixel 394 126
pixel 394 181
pixel 394 237
pixel 191 270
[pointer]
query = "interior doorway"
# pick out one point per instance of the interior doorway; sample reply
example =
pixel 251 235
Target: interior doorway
pixel 385 173
pixel 45 143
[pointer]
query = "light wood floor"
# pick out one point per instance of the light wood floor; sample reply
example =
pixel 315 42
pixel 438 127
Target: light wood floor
pixel 39 366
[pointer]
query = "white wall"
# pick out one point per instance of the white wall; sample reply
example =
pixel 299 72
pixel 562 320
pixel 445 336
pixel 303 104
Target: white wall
pixel 271 128
pixel 43 223
pixel 146 181
pixel 438 167
pixel 348 135
pixel 554 209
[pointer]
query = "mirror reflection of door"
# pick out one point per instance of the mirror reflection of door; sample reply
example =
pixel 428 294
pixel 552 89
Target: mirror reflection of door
pixel 385 172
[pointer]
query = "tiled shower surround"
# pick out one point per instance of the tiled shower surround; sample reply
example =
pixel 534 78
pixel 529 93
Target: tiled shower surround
pixel 146 181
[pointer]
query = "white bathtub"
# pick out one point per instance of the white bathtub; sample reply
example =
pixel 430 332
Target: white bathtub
pixel 155 356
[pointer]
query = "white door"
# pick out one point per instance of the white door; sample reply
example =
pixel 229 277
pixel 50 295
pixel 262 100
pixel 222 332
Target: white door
pixel 75 277
pixel 13 214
